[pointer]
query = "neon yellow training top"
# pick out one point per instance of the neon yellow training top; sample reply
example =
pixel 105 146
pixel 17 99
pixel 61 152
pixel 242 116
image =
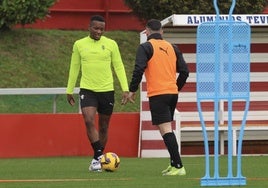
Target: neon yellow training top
pixel 96 59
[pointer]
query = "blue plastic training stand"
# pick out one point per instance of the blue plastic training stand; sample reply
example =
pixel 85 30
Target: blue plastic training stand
pixel 223 74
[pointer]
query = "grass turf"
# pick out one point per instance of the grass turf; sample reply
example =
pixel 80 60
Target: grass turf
pixel 70 172
pixel 31 58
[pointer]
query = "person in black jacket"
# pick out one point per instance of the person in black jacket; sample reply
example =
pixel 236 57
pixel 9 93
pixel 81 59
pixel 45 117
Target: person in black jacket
pixel 160 61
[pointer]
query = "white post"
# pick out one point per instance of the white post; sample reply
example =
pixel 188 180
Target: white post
pixel 178 128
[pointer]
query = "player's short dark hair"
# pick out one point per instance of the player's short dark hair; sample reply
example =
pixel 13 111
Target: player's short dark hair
pixel 97 18
pixel 154 24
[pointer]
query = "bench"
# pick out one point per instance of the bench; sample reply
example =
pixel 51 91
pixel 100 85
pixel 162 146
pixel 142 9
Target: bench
pixel 179 130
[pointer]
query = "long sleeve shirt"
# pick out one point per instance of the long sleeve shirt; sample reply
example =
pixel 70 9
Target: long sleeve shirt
pixel 143 56
pixel 95 59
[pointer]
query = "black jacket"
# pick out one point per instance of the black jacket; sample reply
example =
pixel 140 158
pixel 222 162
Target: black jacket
pixel 144 54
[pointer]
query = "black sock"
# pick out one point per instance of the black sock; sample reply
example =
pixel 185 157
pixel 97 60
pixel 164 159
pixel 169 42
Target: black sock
pixel 98 149
pixel 173 149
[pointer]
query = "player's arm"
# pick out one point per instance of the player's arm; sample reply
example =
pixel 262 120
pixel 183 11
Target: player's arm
pixel 119 68
pixel 73 74
pixel 182 68
pixel 144 53
pixel 120 72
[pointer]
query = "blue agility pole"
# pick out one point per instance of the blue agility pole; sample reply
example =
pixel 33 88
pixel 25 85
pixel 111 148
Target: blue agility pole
pixel 223 74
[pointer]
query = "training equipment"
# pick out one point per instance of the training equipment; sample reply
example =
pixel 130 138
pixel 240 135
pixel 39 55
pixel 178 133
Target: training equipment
pixel 110 162
pixel 223 75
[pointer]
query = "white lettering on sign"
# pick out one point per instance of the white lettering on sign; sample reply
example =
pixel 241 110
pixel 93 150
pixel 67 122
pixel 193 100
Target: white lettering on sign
pixel 193 20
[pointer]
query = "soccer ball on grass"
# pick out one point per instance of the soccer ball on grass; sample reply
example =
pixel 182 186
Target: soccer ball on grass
pixel 110 162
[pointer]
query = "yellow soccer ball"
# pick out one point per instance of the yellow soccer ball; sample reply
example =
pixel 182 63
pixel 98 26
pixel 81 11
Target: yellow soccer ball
pixel 110 162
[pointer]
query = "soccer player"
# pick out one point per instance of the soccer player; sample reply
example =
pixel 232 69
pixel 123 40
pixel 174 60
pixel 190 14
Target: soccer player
pixel 95 55
pixel 160 61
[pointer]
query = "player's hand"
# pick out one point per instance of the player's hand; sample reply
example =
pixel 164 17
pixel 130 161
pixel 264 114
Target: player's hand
pixel 70 99
pixel 131 97
pixel 124 98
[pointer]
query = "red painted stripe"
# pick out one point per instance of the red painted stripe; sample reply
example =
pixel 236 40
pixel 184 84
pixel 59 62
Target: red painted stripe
pixel 153 144
pixel 209 106
pixel 187 48
pixel 184 106
pixel 259 67
pixel 192 106
pixel 254 106
pixel 235 123
pixel 147 125
pixel 259 48
pixel 255 48
pixel 195 123
pixel 254 67
pixel 191 67
pixel 143 86
pixel 254 87
pixel 259 86
pixel 145 106
pixel 211 124
pixel 191 87
pixel 257 122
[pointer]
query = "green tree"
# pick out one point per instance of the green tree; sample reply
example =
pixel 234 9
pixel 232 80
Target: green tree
pixel 161 9
pixel 23 12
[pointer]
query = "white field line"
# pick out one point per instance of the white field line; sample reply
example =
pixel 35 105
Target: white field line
pixel 62 180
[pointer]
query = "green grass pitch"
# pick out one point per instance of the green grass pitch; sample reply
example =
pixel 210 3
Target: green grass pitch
pixel 72 172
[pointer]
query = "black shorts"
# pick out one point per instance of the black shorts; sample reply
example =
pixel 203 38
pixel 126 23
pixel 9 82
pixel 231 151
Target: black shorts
pixel 162 108
pixel 103 101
